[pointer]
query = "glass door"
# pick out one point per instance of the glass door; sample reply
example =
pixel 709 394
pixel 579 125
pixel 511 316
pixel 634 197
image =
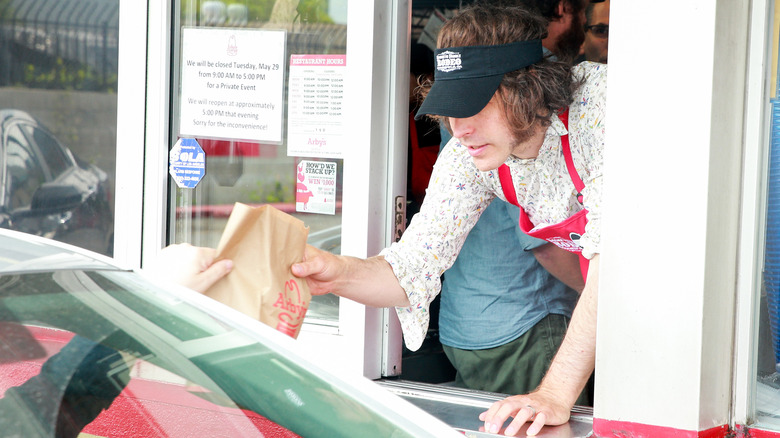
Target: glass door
pixel 259 97
pixel 284 103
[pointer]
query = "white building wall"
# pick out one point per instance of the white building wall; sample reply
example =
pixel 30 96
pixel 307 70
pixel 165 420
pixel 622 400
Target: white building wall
pixel 676 86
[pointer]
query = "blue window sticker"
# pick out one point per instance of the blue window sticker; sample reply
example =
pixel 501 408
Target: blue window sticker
pixel 187 163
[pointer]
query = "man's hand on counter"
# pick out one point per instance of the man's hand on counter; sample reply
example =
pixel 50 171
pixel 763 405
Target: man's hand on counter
pixel 540 407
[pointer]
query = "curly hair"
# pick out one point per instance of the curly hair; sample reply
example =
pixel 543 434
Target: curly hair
pixel 530 95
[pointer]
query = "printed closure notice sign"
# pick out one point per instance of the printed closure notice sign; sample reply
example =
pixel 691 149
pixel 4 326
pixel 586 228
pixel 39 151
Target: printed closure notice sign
pixel 232 84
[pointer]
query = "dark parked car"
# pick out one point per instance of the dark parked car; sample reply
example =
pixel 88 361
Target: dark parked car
pixel 49 191
pixel 89 348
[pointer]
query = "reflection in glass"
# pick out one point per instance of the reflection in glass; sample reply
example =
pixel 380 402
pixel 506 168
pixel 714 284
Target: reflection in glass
pixel 58 73
pixel 105 353
pixel 23 173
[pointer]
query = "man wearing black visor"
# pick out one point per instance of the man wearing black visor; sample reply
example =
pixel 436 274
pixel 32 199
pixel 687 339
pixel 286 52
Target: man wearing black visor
pixel 527 130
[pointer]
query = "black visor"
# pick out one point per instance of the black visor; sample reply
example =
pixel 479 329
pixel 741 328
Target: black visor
pixel 466 78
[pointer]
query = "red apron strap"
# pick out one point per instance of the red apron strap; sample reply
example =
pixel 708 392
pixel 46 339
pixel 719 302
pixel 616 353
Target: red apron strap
pixel 566 149
pixel 505 176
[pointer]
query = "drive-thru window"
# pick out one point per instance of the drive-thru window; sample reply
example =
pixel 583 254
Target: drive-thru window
pixel 155 117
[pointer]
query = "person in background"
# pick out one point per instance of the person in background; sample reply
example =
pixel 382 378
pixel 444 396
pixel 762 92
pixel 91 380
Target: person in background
pixel 565 24
pixel 502 273
pixel 594 48
pixel 528 130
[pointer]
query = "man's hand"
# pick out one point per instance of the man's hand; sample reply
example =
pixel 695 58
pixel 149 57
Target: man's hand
pixel 321 270
pixel 368 281
pixel 539 407
pixel 190 266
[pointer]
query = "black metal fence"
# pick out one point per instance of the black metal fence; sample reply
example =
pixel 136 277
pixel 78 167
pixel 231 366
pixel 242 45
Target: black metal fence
pixel 59 44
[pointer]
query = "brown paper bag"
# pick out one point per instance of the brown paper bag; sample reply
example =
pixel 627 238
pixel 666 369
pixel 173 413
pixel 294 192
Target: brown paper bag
pixel 263 243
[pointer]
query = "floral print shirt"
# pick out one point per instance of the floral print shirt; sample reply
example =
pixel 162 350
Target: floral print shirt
pixel 458 193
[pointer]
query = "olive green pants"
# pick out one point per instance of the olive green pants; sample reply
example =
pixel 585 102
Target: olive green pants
pixel 516 367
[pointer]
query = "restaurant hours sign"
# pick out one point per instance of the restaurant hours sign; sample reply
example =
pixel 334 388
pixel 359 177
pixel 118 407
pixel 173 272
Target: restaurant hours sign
pixel 232 83
pixel 315 119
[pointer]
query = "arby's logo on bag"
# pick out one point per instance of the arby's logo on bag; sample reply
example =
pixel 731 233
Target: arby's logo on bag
pixel 293 308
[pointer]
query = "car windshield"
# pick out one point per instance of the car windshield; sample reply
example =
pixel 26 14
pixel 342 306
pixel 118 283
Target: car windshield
pixel 108 353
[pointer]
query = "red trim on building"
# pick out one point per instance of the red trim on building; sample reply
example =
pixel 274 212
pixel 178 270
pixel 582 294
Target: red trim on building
pixel 624 429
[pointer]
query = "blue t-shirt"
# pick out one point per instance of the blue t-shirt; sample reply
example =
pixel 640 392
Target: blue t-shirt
pixel 497 290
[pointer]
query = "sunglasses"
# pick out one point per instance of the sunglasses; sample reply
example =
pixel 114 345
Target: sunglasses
pixel 599 30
